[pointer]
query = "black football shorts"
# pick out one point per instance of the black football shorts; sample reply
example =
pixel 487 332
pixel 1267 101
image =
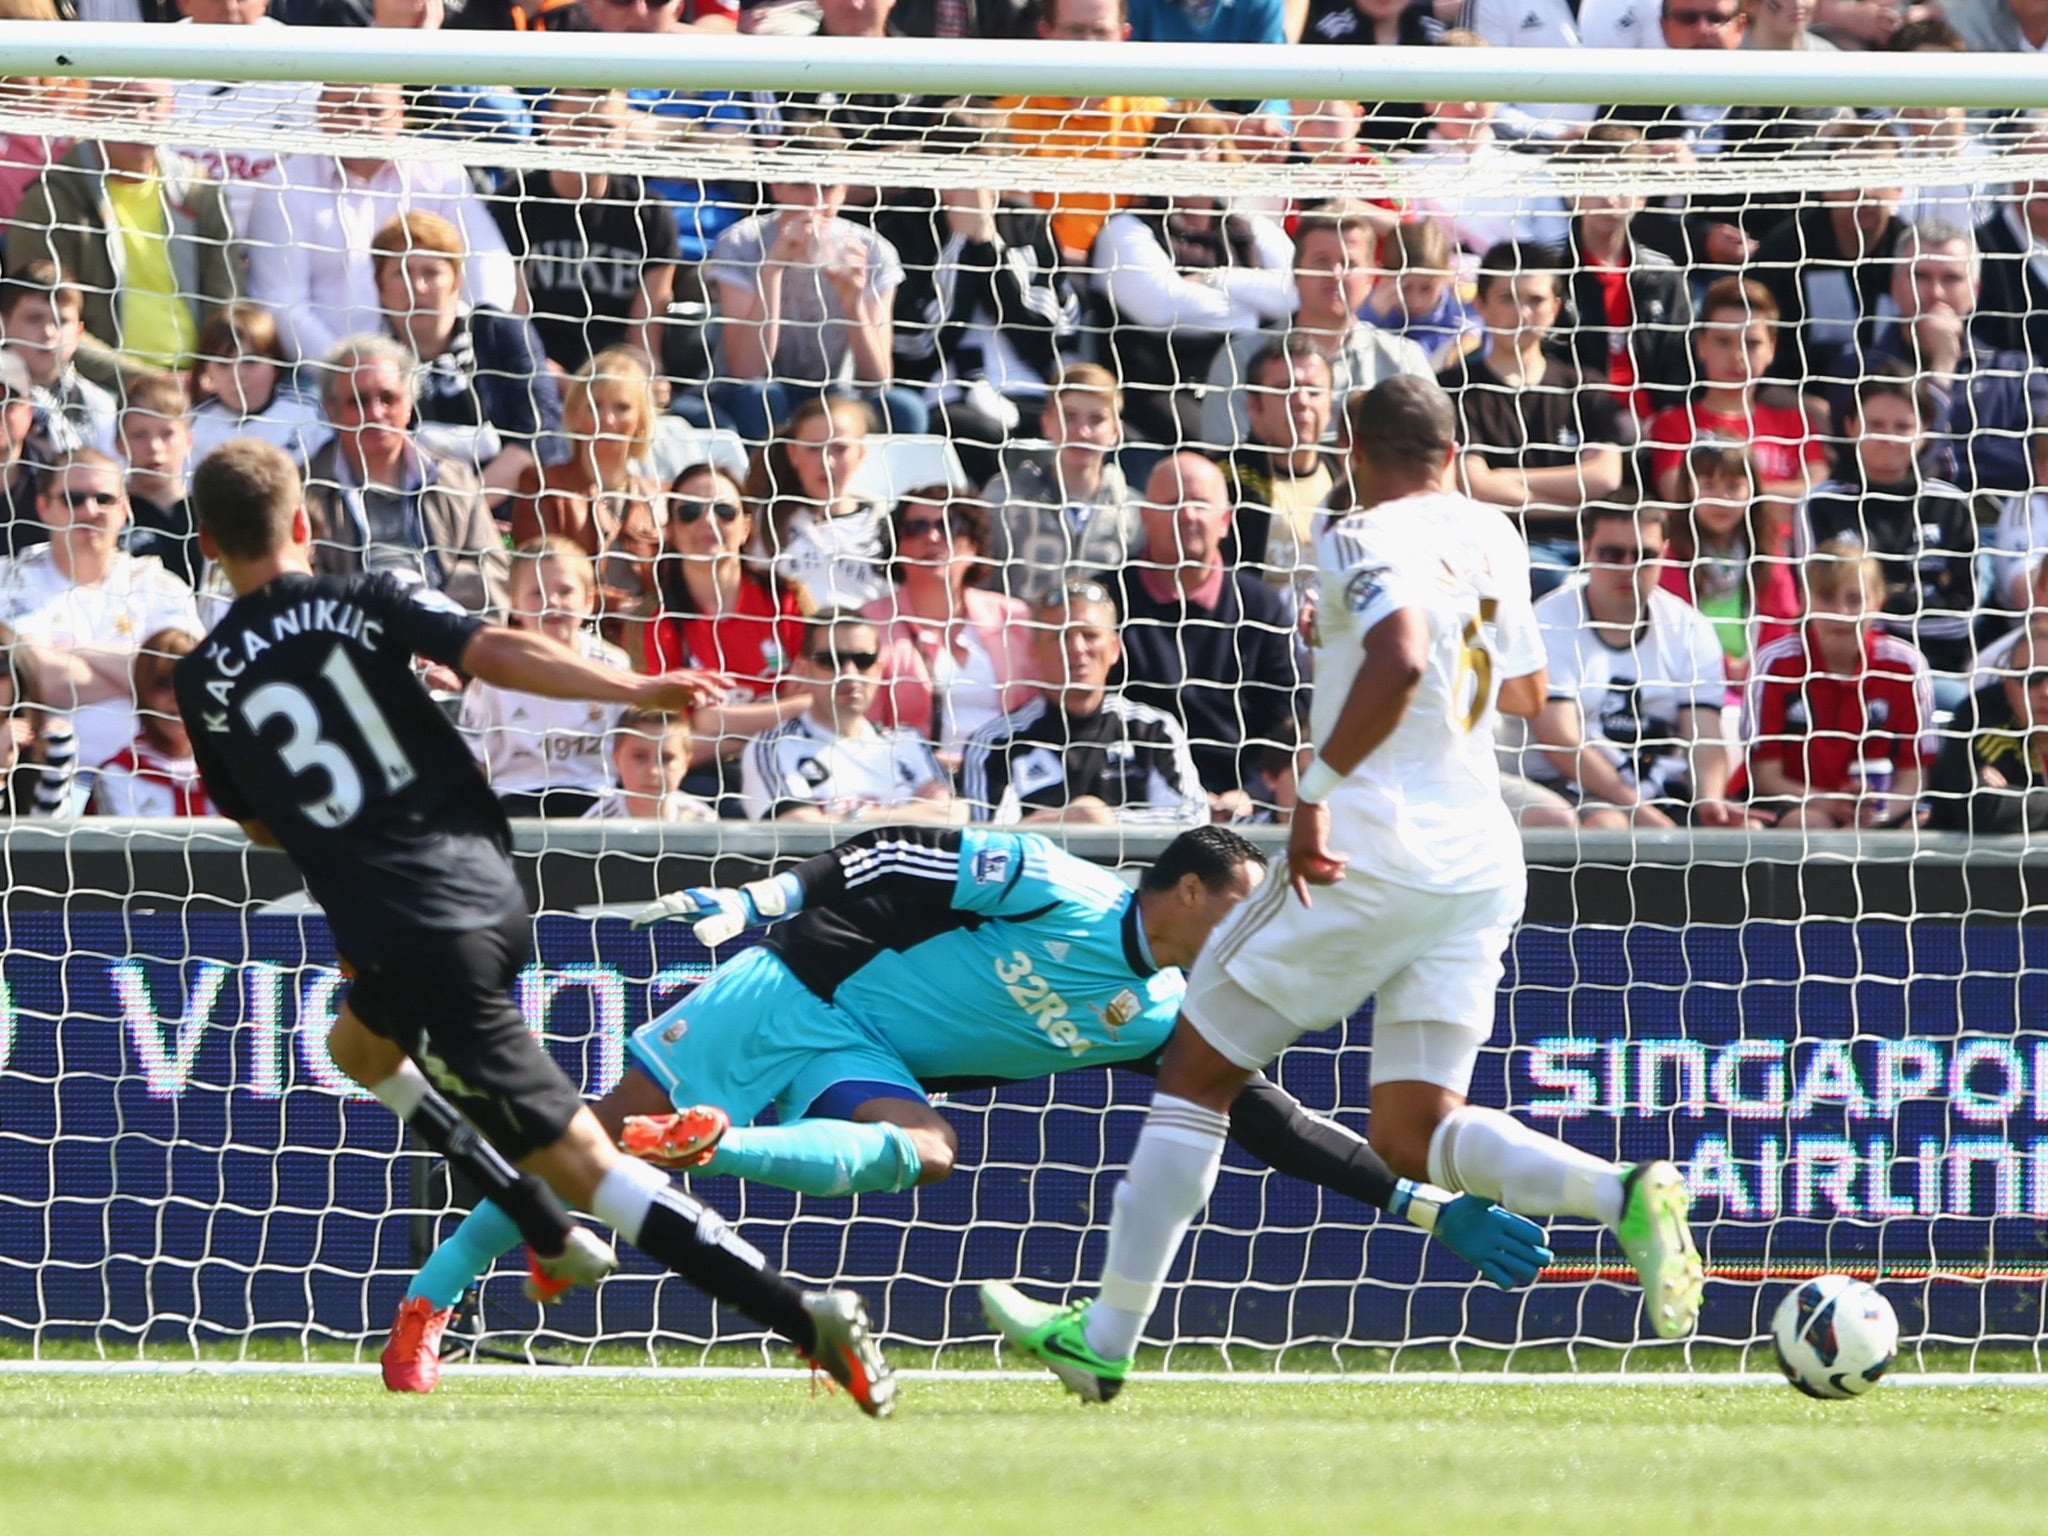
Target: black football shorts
pixel 445 999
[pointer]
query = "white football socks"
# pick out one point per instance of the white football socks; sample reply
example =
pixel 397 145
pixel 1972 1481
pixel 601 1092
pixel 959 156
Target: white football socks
pixel 403 1090
pixel 1486 1153
pixel 624 1195
pixel 1171 1175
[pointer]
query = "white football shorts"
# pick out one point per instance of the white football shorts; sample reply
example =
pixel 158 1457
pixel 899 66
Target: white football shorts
pixel 1433 961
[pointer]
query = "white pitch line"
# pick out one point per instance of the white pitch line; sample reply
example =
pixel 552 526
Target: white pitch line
pixel 1150 1378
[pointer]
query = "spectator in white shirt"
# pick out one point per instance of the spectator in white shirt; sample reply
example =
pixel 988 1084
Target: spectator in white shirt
pixel 81 606
pixel 310 235
pixel 546 757
pixel 1180 274
pixel 832 761
pixel 815 529
pixel 1632 730
pixel 253 109
pixel 650 755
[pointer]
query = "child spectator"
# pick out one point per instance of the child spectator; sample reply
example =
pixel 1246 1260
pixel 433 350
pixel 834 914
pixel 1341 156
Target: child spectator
pixel 1839 716
pixel 1538 440
pixel 38 751
pixel 1921 529
pixel 42 323
pixel 1734 343
pixel 156 445
pixel 650 755
pixel 1418 297
pixel 546 757
pixel 1730 553
pixel 155 774
pixel 832 761
pixel 1632 732
pixel 241 386
pixel 819 530
pixel 1065 509
pixel 600 498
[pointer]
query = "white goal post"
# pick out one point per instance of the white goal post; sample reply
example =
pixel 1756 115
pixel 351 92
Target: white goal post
pixel 1837 1034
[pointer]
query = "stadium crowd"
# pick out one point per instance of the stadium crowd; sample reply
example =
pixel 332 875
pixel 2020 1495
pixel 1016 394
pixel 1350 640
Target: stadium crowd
pixel 993 506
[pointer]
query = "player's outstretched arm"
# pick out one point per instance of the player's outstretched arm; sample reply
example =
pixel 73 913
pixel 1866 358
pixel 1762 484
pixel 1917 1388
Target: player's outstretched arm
pixel 526 662
pixel 912 867
pixel 1271 1124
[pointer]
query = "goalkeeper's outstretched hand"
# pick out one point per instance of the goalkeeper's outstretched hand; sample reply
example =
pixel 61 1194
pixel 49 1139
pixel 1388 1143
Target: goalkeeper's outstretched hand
pixel 1506 1248
pixel 719 913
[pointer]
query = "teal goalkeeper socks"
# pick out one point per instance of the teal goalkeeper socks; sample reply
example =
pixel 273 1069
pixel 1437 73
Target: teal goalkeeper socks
pixel 819 1157
pixel 464 1255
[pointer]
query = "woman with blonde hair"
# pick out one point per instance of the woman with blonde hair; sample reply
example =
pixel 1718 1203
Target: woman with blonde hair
pixel 600 498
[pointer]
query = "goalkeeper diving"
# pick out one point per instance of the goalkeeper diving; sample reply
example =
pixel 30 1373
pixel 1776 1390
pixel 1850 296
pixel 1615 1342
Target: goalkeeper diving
pixel 909 961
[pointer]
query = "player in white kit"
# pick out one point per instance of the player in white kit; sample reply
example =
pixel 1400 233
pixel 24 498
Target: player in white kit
pixel 1405 880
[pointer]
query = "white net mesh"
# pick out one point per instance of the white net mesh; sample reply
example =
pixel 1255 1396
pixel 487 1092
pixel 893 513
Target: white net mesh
pixel 942 357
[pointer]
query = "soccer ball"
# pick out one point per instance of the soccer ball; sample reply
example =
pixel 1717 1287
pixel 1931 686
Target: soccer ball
pixel 1834 1337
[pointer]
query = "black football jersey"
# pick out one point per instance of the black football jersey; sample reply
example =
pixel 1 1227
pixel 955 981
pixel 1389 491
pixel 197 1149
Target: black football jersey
pixel 306 715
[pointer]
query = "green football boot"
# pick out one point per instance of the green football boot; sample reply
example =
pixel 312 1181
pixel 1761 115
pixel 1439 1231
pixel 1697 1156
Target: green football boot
pixel 1654 1235
pixel 1054 1334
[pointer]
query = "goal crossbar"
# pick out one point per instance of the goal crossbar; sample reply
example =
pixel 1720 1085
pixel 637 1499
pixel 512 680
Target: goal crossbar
pixel 1007 67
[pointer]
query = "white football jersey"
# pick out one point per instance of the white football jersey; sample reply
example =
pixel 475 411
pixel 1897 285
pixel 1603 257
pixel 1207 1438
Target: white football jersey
pixel 1424 809
pixel 526 743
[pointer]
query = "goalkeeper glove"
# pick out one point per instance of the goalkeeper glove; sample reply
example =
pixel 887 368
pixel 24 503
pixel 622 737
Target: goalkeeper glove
pixel 1507 1249
pixel 719 913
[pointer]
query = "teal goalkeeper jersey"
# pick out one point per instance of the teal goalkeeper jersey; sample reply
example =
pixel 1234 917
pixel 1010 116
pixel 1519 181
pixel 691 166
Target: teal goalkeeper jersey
pixel 981 955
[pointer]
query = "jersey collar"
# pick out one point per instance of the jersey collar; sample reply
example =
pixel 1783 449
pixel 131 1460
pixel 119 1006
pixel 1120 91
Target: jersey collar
pixel 1136 950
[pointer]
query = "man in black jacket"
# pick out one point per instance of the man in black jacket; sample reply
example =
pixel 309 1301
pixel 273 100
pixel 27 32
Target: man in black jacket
pixel 1628 310
pixel 2014 311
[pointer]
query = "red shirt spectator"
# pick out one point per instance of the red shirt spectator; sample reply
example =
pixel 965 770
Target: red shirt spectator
pixel 1780 438
pixel 1820 724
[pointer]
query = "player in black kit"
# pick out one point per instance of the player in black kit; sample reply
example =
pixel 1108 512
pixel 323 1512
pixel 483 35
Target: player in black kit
pixel 311 729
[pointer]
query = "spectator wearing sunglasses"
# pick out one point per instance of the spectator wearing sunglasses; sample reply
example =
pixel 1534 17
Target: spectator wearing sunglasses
pixel 720 613
pixel 1632 730
pixel 954 656
pixel 80 605
pixel 1990 775
pixel 832 762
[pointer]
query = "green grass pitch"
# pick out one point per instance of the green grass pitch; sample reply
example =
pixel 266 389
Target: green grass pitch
pixel 300 1456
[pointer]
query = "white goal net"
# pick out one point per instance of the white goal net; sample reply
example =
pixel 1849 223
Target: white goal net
pixel 926 359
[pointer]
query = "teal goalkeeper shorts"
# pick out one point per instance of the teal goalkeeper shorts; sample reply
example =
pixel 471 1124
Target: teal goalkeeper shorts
pixel 753 1035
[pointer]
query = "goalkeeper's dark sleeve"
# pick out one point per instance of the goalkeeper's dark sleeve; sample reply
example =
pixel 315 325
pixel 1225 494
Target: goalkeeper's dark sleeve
pixel 1271 1124
pixel 914 866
